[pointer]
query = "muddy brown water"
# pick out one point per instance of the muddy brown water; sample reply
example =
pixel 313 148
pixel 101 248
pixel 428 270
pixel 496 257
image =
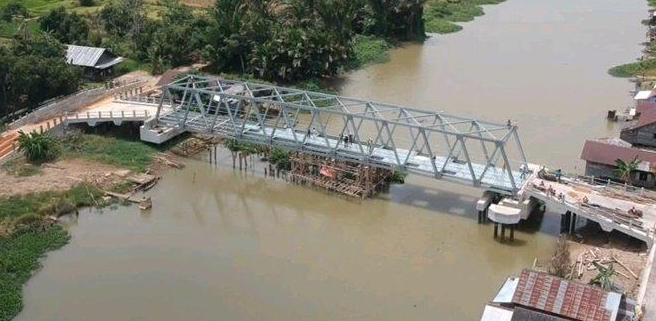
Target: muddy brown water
pixel 227 245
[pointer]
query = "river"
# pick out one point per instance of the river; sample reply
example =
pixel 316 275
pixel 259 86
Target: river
pixel 226 245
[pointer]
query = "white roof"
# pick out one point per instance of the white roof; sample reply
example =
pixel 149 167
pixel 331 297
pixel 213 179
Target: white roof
pixel 643 94
pixel 507 291
pixel 88 57
pixel 494 313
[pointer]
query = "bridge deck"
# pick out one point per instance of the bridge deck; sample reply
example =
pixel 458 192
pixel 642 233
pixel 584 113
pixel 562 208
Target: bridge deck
pixel 432 143
pixel 605 204
pixel 494 179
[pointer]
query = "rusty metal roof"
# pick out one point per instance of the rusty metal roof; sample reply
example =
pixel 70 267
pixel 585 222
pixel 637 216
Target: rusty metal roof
pixel 608 150
pixel 569 299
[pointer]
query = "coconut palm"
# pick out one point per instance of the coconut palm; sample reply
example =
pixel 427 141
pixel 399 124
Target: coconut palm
pixel 625 169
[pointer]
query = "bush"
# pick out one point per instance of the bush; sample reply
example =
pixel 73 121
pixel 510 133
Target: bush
pixel 634 69
pixel 11 10
pixel 87 3
pixel 280 158
pixel 38 147
pixel 398 177
pixel 369 49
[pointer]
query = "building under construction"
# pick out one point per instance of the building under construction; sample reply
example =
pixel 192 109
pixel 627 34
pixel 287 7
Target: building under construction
pixel 351 179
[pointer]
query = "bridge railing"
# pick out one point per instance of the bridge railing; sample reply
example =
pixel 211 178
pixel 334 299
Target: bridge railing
pixel 595 210
pixel 480 152
pixel 108 114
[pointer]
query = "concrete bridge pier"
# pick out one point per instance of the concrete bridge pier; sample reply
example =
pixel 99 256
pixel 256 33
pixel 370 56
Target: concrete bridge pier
pixel 510 227
pixel 568 222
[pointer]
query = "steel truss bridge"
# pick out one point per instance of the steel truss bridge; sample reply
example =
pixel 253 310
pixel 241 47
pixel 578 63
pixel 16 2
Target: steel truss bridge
pixel 435 144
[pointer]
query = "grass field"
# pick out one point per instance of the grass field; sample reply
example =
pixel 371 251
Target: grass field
pixel 134 155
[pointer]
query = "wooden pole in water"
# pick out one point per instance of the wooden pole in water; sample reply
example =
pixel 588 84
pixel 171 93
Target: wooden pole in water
pixel 512 232
pixel 496 230
pixel 503 231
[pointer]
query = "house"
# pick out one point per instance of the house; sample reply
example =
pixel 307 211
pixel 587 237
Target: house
pixel 641 131
pixel 601 155
pixel 538 296
pixel 98 63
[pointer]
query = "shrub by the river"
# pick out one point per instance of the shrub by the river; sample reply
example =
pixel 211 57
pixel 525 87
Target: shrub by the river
pixel 19 258
pixel 25 237
pixel 647 67
pixel 369 49
pixel 134 155
pixel 38 147
pixel 440 14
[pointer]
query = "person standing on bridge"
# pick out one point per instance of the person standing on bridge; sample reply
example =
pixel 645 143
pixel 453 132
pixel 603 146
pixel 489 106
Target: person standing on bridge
pixel 558 173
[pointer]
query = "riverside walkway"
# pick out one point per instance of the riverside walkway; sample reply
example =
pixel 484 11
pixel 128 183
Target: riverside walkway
pixel 465 150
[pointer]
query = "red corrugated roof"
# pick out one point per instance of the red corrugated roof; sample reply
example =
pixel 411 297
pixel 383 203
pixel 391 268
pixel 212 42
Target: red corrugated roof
pixel 575 300
pixel 607 151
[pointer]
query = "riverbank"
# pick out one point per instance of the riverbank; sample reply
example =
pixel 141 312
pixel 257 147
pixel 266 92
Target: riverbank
pixel 32 197
pixel 645 67
pixel 442 16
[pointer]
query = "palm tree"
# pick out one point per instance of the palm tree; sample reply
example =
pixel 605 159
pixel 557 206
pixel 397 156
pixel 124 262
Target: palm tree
pixel 626 169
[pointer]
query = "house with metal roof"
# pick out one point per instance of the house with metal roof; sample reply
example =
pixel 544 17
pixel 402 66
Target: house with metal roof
pixel 97 62
pixel 641 131
pixel 601 155
pixel 538 296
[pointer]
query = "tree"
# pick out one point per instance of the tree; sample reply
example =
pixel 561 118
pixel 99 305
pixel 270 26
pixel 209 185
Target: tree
pixel 69 28
pixel 34 70
pixel 625 169
pixel 399 19
pixel 125 18
pixel 236 28
pixel 13 10
pixel 560 262
pixel 175 39
pixel 38 147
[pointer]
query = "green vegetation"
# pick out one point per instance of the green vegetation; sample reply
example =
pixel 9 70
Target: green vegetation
pixel 244 148
pixel 26 236
pixel 398 177
pixel 440 15
pixel 625 169
pixel 12 11
pixel 280 158
pixel 19 258
pixel 369 49
pixel 38 147
pixel 132 155
pixel 644 67
pixel 301 39
pixel 69 28
pixel 604 279
pixel 33 70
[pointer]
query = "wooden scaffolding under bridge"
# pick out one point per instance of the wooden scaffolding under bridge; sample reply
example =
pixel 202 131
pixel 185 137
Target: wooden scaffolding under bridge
pixel 351 179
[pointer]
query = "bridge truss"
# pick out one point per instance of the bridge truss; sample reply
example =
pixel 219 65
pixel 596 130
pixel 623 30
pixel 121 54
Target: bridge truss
pixel 435 144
